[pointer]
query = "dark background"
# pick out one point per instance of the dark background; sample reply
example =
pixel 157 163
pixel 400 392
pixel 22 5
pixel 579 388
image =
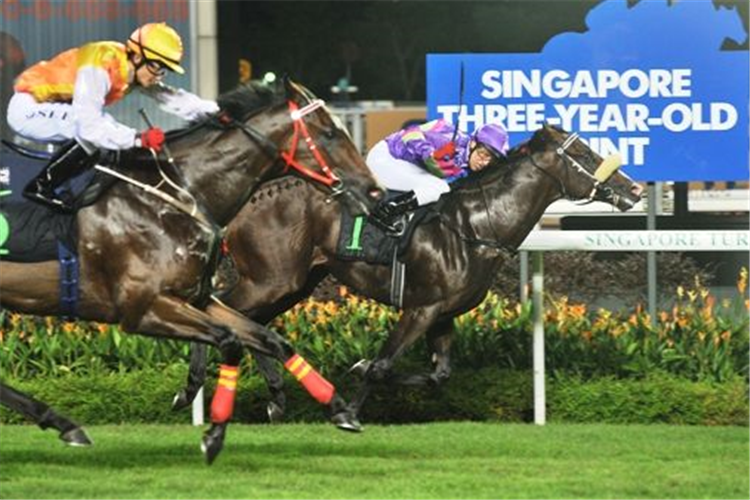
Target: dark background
pixel 382 44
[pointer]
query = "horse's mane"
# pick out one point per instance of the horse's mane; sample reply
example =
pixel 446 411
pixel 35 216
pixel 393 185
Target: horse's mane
pixel 247 98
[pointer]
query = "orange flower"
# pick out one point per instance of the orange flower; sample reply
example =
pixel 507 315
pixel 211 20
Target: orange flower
pixel 343 292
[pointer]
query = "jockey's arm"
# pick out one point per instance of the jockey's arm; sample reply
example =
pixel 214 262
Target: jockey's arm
pixel 180 102
pixel 94 127
pixel 420 149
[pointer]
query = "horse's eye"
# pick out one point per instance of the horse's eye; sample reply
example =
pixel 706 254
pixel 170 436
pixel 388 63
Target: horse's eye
pixel 330 133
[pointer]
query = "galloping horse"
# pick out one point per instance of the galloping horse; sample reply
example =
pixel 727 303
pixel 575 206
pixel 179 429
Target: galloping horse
pixel 450 263
pixel 147 264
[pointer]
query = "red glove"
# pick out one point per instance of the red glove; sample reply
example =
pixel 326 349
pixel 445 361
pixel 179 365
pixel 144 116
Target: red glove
pixel 152 138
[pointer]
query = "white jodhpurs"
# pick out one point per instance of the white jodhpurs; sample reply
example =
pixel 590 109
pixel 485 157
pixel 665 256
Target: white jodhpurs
pixel 401 175
pixel 40 121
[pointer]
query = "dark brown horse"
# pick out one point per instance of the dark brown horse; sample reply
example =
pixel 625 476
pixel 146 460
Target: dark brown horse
pixel 147 265
pixel 450 263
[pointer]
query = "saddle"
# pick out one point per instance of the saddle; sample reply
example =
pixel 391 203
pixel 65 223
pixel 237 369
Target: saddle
pixel 359 240
pixel 32 232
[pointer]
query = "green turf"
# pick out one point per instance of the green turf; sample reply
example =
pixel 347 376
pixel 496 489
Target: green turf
pixel 445 460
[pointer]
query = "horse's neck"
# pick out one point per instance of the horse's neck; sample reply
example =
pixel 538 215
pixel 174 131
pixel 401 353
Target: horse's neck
pixel 509 208
pixel 221 172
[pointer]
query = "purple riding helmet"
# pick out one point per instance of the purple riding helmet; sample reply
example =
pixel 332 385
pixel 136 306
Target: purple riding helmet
pixel 494 137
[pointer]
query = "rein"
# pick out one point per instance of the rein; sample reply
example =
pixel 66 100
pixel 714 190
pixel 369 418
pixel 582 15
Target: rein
pixel 192 210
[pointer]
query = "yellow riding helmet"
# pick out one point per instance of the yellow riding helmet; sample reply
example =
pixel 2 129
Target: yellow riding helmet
pixel 158 42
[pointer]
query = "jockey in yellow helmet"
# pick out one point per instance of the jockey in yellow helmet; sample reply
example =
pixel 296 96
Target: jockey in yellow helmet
pixel 64 98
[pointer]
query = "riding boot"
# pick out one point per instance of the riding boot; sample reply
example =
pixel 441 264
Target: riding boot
pixel 66 164
pixel 387 215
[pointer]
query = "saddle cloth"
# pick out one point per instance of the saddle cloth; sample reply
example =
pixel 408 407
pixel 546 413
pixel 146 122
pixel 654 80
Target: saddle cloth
pixel 30 232
pixel 359 240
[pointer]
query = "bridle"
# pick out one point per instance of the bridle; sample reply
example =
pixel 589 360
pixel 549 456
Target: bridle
pixel 326 177
pixel 571 164
pixel 598 190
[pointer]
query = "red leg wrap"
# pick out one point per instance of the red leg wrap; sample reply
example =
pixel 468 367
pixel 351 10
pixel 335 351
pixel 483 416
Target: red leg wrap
pixel 318 387
pixel 222 406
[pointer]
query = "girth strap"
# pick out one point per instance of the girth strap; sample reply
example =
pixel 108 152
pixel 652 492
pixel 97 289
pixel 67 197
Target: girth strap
pixel 69 273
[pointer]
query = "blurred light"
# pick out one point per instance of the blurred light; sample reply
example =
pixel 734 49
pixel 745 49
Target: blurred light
pixel 269 77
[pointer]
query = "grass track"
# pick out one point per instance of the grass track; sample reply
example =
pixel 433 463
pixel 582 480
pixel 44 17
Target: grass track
pixel 442 460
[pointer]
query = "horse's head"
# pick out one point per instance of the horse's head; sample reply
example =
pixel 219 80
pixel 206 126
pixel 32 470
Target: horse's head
pixel 332 159
pixel 580 172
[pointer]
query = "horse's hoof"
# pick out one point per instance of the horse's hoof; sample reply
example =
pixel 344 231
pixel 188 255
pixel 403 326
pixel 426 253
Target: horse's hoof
pixel 347 421
pixel 213 442
pixel 360 367
pixel 275 413
pixel 181 401
pixel 76 437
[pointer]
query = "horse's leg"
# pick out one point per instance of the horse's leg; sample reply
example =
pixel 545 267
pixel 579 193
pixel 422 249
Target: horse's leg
pixel 439 339
pixel 275 383
pixel 174 318
pixel 276 300
pixel 44 416
pixel 196 377
pixel 412 325
pixel 267 342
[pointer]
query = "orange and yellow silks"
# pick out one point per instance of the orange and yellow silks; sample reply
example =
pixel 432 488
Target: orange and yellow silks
pixel 222 405
pixel 318 387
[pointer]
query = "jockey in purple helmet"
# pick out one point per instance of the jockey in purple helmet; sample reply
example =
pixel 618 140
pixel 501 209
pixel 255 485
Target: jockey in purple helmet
pixel 423 160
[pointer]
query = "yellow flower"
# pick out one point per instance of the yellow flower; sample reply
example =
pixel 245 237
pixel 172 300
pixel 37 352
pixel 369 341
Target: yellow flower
pixel 742 281
pixel 680 291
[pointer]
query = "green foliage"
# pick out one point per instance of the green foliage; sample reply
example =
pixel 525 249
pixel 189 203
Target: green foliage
pixel 700 338
pixel 486 394
pixel 33 346
pixel 657 398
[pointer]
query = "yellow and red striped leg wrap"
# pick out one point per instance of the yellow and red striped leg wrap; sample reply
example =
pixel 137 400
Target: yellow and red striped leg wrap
pixel 318 387
pixel 222 406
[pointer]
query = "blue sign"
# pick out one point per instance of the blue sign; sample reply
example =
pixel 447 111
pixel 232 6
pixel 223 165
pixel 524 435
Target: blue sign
pixel 647 81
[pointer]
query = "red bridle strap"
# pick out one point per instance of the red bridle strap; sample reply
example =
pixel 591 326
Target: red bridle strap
pixel 327 176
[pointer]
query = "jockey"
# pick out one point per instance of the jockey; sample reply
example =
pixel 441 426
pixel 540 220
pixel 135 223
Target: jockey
pixel 64 98
pixel 423 161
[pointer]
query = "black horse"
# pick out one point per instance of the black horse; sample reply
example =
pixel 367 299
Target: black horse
pixel 451 261
pixel 147 264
